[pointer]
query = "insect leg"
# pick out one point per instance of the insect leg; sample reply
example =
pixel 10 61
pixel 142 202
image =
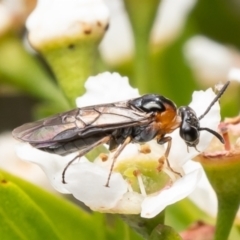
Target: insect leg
pixel 119 150
pixel 167 140
pixel 83 152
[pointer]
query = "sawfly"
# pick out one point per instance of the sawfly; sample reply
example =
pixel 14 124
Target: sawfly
pixel 137 120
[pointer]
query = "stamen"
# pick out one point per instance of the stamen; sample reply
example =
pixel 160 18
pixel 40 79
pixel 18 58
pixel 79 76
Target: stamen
pixel 130 187
pixel 140 183
pixel 172 175
pixel 103 156
pixel 161 162
pixel 145 148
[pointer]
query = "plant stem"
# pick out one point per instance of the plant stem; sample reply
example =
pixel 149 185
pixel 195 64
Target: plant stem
pixel 227 208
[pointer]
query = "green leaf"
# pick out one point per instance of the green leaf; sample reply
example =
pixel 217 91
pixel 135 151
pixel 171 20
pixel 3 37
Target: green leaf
pixel 23 71
pixel 22 217
pixel 68 220
pixel 162 232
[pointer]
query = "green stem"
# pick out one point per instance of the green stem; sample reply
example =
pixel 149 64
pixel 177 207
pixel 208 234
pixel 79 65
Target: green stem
pixel 223 174
pixel 72 64
pixel 227 208
pixel 142 15
pixel 141 63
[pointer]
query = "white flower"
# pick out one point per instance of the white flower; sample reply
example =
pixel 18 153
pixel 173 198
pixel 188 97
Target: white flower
pixel 85 180
pixel 75 19
pixel 115 88
pixel 200 102
pixel 234 74
pixel 118 43
pixel 204 196
pixel 140 183
pixel 210 61
pixel 10 162
pixel 180 189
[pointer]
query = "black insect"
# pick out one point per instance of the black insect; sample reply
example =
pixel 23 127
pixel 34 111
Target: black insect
pixel 117 124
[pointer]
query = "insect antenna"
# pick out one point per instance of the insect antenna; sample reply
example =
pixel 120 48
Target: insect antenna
pixel 220 93
pixel 216 134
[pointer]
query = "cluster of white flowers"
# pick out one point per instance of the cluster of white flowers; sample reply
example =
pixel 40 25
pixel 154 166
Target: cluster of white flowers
pixel 136 186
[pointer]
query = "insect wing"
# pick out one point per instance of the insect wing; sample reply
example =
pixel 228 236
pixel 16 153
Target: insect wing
pixel 81 122
pixel 46 129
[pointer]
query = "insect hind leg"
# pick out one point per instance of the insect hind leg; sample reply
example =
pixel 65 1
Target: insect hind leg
pixel 168 140
pixel 117 153
pixel 83 152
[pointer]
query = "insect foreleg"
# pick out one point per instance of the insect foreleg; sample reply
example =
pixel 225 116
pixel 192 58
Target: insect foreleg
pixel 167 140
pixel 83 152
pixel 119 150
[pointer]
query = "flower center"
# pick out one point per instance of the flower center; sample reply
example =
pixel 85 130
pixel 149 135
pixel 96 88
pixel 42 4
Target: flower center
pixel 144 175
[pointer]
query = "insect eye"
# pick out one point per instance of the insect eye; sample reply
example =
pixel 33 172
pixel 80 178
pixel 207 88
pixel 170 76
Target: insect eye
pixel 189 134
pixel 189 129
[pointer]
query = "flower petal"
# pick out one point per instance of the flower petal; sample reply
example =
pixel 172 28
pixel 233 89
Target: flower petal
pixel 153 205
pixel 130 203
pixel 179 153
pixel 106 88
pixel 51 164
pixel 204 196
pixel 87 182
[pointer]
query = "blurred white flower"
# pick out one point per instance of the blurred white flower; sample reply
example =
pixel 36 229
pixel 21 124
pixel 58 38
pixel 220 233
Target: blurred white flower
pixel 140 182
pixel 234 74
pixel 211 61
pixel 10 162
pixel 170 19
pixel 118 43
pixel 64 19
pixel 13 14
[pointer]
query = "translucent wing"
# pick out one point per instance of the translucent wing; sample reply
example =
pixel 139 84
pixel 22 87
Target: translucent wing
pixel 80 123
